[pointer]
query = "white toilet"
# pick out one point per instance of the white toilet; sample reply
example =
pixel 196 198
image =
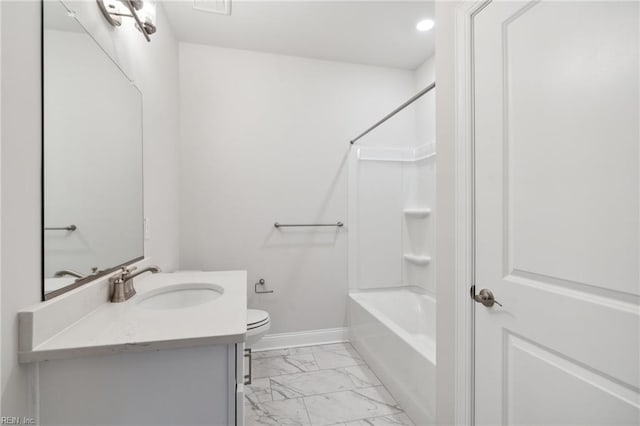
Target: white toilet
pixel 258 323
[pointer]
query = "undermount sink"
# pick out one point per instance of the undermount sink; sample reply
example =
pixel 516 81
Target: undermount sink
pixel 180 296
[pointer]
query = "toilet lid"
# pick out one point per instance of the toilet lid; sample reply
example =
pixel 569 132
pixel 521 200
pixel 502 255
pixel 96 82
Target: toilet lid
pixel 256 318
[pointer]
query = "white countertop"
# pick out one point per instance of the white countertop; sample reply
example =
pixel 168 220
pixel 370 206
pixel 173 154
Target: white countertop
pixel 126 327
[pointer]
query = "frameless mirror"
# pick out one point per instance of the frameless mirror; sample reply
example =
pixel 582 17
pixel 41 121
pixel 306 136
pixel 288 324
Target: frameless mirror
pixel 92 157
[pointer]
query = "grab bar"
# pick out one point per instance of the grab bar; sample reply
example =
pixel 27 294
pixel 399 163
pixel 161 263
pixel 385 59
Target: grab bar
pixel 69 228
pixel 282 225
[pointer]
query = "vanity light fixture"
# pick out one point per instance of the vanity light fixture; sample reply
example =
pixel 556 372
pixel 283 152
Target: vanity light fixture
pixel 425 25
pixel 142 11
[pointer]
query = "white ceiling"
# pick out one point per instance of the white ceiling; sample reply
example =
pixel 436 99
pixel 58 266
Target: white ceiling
pixel 379 33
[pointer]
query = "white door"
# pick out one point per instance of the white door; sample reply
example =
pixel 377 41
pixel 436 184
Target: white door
pixel 556 91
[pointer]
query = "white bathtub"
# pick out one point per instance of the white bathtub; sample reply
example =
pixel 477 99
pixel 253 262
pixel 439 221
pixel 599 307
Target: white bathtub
pixel 394 330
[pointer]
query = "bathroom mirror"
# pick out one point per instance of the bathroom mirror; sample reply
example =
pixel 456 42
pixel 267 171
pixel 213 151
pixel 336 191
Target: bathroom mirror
pixel 92 157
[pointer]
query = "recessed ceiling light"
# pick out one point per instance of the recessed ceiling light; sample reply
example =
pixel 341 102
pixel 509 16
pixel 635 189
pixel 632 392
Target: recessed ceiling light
pixel 425 25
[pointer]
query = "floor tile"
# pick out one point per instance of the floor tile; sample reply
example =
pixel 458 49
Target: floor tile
pixel 290 412
pixel 342 407
pixel 337 358
pixel 392 420
pixel 259 390
pixel 281 352
pixel 308 384
pixel 318 385
pixel 286 364
pixel 361 376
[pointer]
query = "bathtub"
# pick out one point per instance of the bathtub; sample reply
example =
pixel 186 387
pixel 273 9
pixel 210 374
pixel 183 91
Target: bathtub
pixel 394 331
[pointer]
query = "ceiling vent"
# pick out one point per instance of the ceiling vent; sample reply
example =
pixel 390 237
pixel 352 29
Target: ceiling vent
pixel 219 7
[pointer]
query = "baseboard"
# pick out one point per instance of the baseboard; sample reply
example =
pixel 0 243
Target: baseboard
pixel 302 338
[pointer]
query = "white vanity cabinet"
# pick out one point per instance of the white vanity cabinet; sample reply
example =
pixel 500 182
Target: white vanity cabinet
pixel 186 386
pixel 120 364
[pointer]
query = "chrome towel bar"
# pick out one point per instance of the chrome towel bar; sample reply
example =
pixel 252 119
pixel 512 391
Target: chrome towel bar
pixel 282 225
pixel 69 228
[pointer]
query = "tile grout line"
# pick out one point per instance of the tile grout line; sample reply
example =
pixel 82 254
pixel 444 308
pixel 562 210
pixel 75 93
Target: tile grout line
pixel 307 410
pixel 314 371
pixel 389 415
pixel 303 398
pixel 358 362
pixel 270 388
pixel 332 392
pixel 355 386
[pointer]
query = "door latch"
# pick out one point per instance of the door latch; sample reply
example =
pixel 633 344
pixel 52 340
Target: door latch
pixel 485 297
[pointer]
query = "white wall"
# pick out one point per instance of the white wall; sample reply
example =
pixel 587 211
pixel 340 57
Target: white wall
pixel 445 221
pixel 1 331
pixel 154 66
pixel 20 158
pixel 265 138
pixel 425 107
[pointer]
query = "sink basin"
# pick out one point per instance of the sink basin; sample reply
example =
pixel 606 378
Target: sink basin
pixel 180 296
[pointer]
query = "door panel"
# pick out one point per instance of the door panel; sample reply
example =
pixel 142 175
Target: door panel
pixel 570 92
pixel 557 218
pixel 537 375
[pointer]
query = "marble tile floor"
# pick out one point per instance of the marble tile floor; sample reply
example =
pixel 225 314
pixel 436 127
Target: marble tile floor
pixel 317 386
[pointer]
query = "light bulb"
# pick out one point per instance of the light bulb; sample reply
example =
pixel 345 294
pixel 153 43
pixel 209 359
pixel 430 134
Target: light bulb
pixel 425 25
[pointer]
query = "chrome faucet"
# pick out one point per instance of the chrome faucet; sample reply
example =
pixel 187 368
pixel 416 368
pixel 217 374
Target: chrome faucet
pixel 123 283
pixel 78 275
pixel 69 272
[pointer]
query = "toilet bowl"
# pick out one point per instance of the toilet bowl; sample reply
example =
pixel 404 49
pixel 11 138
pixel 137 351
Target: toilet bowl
pixel 258 323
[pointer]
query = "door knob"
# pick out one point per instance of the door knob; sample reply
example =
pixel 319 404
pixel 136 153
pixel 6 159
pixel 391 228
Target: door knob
pixel 486 298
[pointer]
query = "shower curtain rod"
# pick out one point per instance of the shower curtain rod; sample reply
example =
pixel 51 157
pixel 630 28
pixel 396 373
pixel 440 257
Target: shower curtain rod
pixel 395 111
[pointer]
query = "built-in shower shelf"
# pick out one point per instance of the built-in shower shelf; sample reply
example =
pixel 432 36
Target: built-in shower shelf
pixel 424 212
pixel 418 260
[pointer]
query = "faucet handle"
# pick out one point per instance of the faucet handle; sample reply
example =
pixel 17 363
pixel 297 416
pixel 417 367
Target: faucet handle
pixel 128 270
